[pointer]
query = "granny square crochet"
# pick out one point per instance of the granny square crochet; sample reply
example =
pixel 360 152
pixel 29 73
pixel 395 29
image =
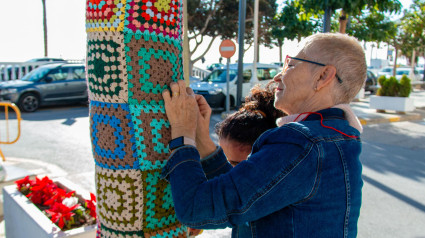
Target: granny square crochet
pixel 106 67
pixel 105 15
pixel 158 207
pixel 152 135
pixel 119 198
pixel 153 62
pixel 134 51
pixel 155 16
pixel 112 136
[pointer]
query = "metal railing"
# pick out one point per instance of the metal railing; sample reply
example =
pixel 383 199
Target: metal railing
pixel 200 73
pixel 8 141
pixel 16 70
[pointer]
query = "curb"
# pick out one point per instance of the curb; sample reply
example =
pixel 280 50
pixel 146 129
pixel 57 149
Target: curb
pixel 410 117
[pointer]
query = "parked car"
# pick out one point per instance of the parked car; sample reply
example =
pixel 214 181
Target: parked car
pixel 47 84
pixel 371 83
pixel 213 86
pixel 400 71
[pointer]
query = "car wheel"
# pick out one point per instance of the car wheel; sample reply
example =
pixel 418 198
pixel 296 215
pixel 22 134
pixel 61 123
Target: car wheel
pixel 29 102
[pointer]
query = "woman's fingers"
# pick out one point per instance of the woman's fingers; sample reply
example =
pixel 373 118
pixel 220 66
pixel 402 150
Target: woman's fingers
pixel 189 91
pixel 175 89
pixel 166 95
pixel 182 86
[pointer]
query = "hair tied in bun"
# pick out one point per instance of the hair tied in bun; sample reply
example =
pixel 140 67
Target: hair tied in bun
pixel 261 112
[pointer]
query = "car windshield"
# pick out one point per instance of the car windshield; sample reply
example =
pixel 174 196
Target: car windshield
pixel 36 74
pixel 401 72
pixel 219 76
pixel 387 70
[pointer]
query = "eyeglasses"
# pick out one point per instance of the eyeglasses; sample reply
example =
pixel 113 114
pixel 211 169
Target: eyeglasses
pixel 288 58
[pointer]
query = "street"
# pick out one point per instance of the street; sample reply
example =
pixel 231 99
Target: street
pixel 393 160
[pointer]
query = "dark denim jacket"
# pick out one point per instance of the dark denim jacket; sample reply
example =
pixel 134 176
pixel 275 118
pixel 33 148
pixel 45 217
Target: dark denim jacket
pixel 301 180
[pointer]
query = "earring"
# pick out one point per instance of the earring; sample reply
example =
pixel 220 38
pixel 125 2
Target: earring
pixel 315 89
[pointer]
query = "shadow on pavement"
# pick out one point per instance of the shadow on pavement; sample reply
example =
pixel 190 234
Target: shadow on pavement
pixel 394 193
pixel 67 112
pixel 394 150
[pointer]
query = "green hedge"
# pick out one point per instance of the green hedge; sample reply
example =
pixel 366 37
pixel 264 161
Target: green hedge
pixel 393 88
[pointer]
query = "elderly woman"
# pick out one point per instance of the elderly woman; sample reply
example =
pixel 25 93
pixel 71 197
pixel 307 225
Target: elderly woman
pixel 303 178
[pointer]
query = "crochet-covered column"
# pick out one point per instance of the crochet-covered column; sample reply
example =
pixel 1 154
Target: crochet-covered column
pixel 133 53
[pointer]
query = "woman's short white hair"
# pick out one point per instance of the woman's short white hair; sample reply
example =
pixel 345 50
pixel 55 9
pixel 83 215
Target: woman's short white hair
pixel 346 54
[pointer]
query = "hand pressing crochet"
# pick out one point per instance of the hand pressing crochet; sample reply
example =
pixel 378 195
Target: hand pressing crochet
pixel 181 109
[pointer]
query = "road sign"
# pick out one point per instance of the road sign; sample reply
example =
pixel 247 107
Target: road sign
pixel 227 48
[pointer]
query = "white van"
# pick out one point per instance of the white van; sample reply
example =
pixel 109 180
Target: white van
pixel 213 87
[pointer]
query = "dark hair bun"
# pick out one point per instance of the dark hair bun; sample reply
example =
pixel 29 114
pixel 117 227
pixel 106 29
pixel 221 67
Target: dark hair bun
pixel 262 99
pixel 256 115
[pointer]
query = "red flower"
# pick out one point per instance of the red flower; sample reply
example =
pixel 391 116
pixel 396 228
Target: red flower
pixel 61 213
pixel 42 190
pixel 91 205
pixel 50 198
pixel 58 196
pixel 25 184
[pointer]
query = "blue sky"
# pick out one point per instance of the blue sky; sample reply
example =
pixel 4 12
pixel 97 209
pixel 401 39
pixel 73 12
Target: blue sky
pixel 22 27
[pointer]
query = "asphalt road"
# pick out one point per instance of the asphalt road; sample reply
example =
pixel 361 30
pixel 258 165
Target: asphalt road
pixel 393 160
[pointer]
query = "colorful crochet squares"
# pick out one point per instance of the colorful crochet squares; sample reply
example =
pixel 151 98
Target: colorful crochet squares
pixel 158 210
pixel 119 199
pixel 152 64
pixel 155 16
pixel 105 15
pixel 112 136
pixel 152 132
pixel 106 67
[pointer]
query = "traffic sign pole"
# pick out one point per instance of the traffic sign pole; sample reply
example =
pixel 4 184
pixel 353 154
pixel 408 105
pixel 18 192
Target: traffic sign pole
pixel 228 87
pixel 227 50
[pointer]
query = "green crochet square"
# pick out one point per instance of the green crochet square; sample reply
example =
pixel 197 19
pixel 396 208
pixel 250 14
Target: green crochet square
pixel 152 133
pixel 146 58
pixel 106 67
pixel 158 210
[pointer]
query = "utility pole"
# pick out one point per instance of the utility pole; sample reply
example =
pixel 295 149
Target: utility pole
pixel 44 27
pixel 241 34
pixel 186 58
pixel 254 72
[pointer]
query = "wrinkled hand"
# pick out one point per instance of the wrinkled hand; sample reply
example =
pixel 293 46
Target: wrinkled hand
pixel 204 143
pixel 181 109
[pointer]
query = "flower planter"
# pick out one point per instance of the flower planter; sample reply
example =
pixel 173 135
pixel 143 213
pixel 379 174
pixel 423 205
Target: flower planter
pixel 24 219
pixel 400 104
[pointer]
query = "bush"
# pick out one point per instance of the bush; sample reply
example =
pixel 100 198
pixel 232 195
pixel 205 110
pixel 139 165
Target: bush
pixel 405 86
pixel 393 88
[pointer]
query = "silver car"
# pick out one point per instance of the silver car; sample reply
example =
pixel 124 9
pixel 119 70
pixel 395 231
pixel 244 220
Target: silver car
pixel 47 84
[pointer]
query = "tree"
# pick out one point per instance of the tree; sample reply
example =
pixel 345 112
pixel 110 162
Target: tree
pixel 218 19
pixel 353 8
pixel 294 22
pixel 372 26
pixel 413 25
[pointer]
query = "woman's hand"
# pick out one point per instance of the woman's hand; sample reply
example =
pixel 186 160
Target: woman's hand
pixel 204 144
pixel 181 109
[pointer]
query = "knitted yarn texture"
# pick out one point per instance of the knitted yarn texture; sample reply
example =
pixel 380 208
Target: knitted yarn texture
pixel 134 50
